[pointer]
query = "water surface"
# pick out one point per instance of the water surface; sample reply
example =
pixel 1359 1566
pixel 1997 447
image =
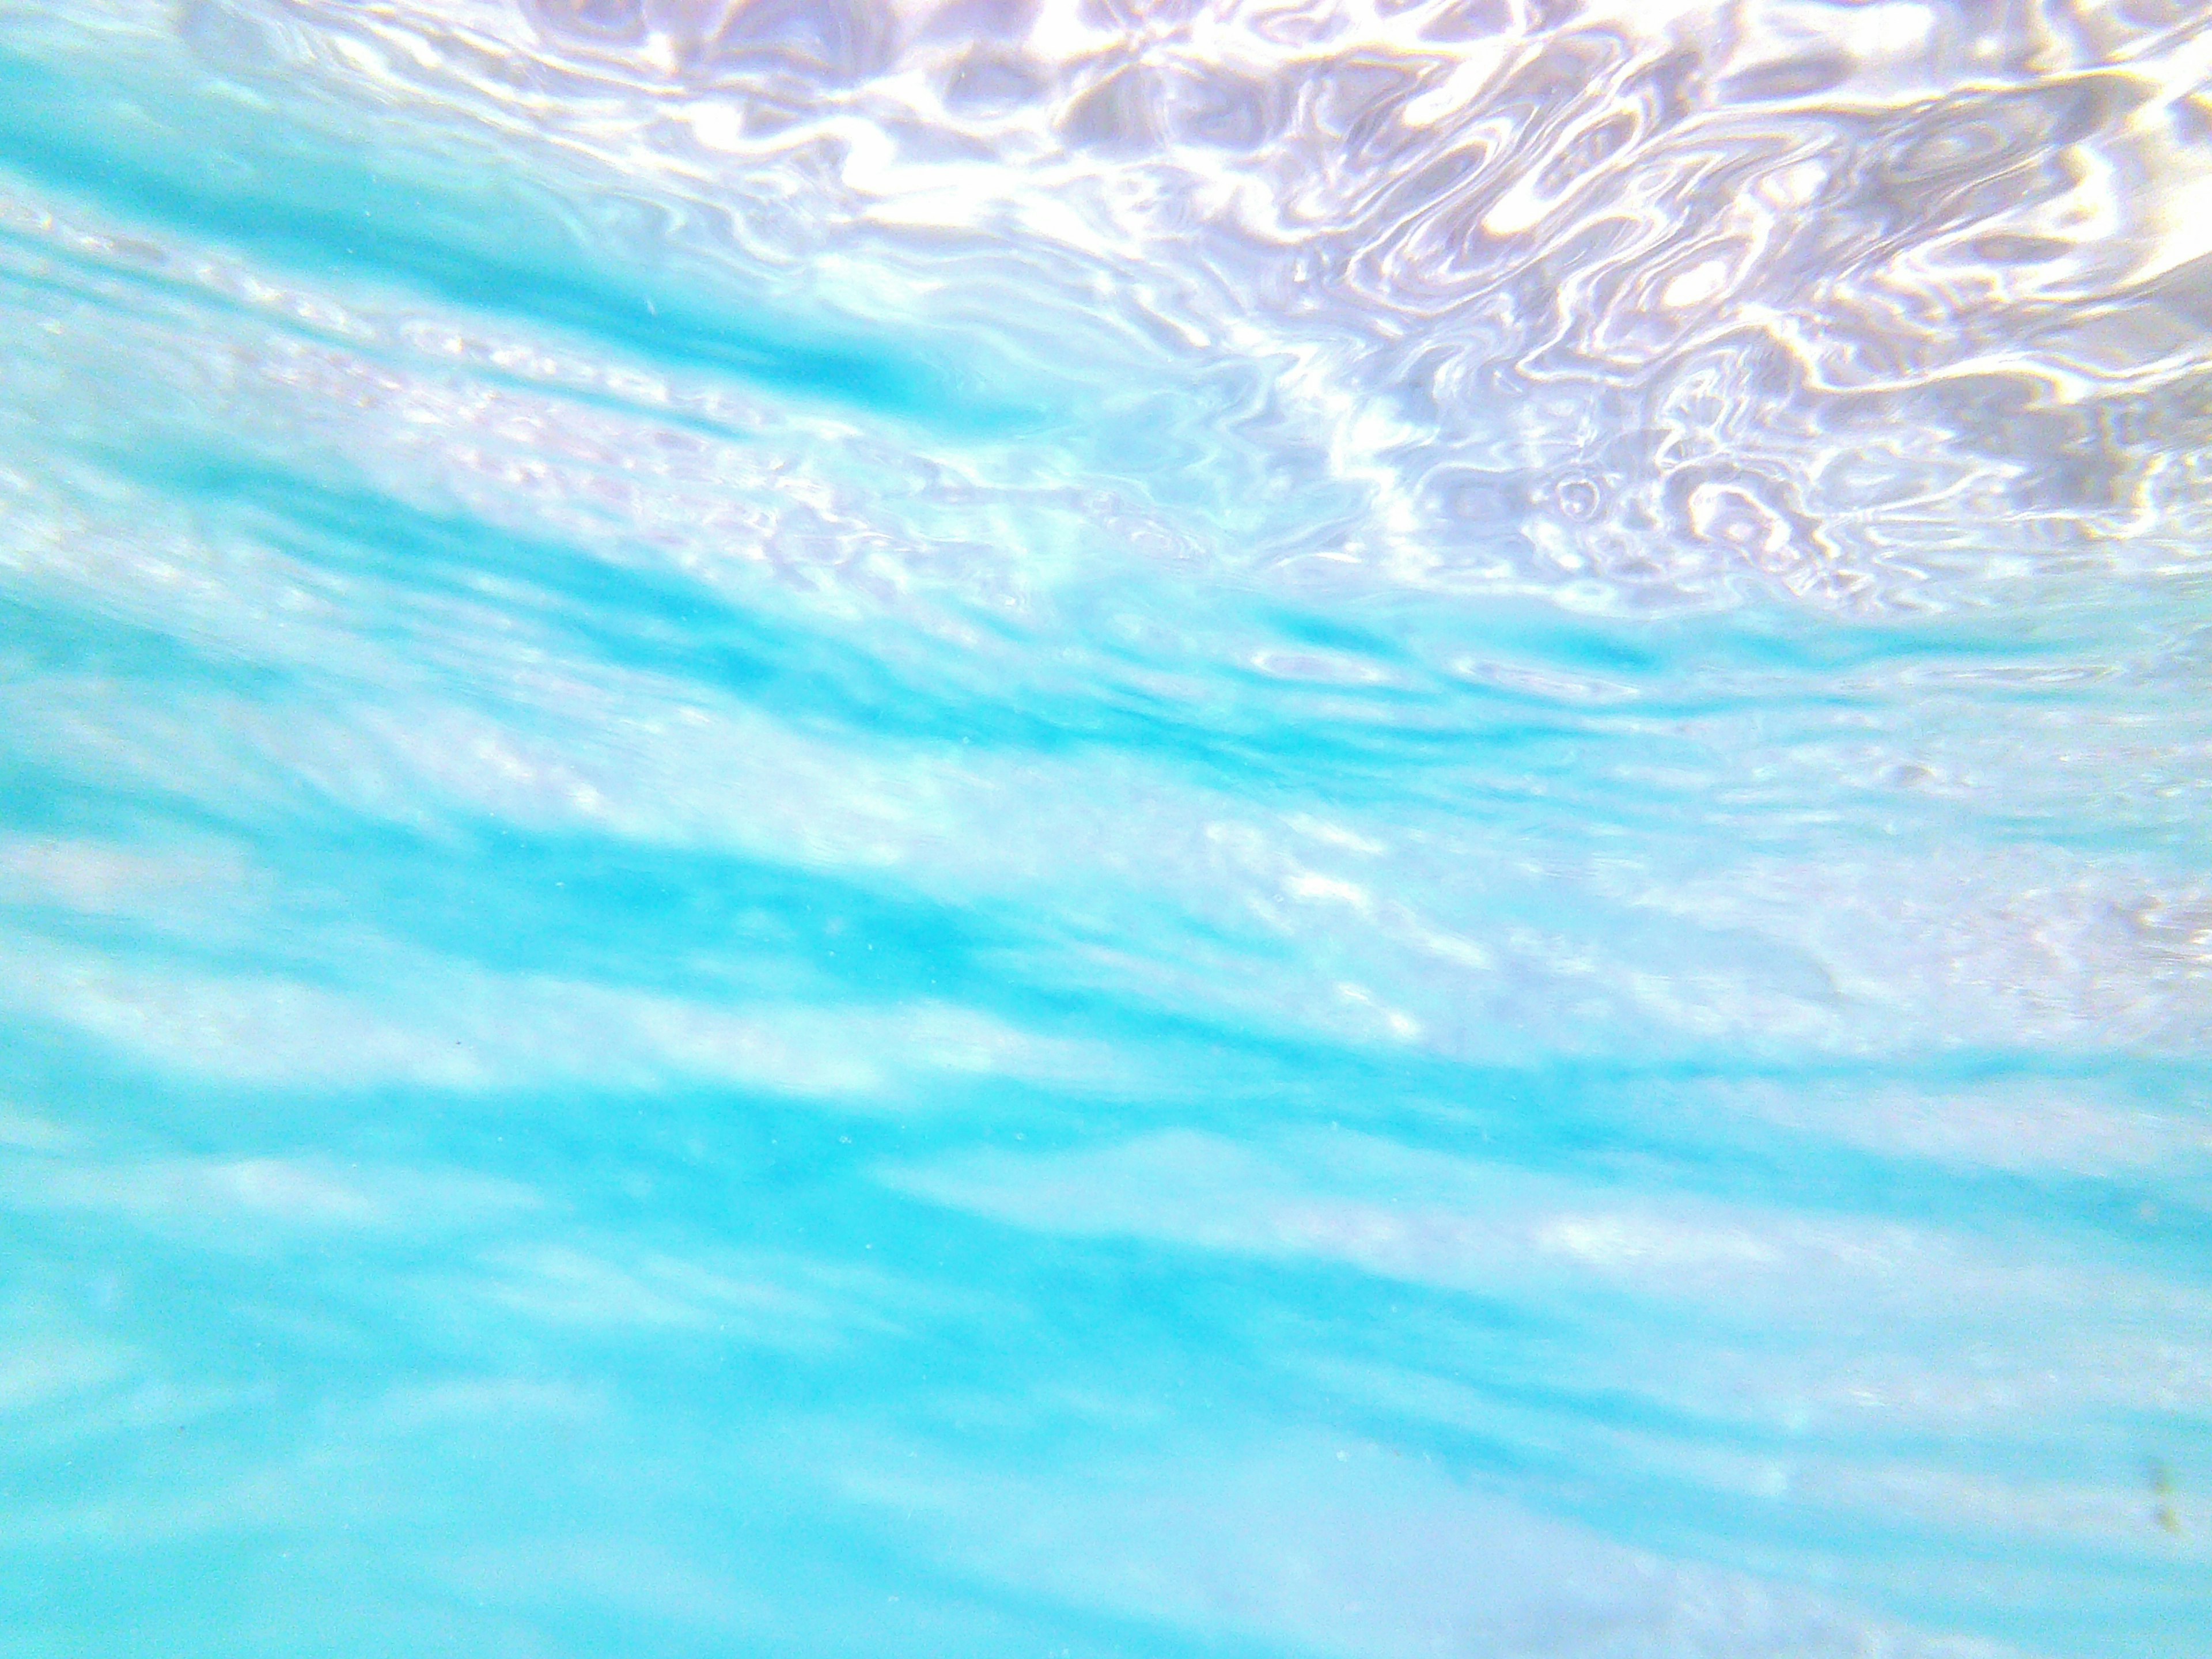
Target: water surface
pixel 1081 829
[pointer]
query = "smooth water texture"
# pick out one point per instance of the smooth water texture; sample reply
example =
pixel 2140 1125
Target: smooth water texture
pixel 1277 827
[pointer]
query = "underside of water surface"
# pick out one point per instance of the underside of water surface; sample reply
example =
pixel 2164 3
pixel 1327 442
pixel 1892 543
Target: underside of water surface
pixel 1073 828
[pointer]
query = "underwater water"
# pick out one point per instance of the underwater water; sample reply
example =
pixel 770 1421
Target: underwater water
pixel 1235 828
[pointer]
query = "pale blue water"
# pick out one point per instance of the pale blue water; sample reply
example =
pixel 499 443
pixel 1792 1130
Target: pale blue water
pixel 1078 831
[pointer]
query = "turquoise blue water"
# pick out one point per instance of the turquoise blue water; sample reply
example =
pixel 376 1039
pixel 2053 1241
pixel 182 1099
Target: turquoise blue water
pixel 1072 831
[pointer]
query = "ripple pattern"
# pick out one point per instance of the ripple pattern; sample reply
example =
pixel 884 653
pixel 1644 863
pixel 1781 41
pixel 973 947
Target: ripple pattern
pixel 1366 828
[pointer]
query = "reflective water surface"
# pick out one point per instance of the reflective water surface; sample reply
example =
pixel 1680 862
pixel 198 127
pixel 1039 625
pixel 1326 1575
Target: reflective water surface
pixel 1238 827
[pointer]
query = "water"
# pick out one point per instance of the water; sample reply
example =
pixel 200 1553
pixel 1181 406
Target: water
pixel 1097 830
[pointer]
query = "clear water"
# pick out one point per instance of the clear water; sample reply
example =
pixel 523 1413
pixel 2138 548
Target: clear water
pixel 1236 829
